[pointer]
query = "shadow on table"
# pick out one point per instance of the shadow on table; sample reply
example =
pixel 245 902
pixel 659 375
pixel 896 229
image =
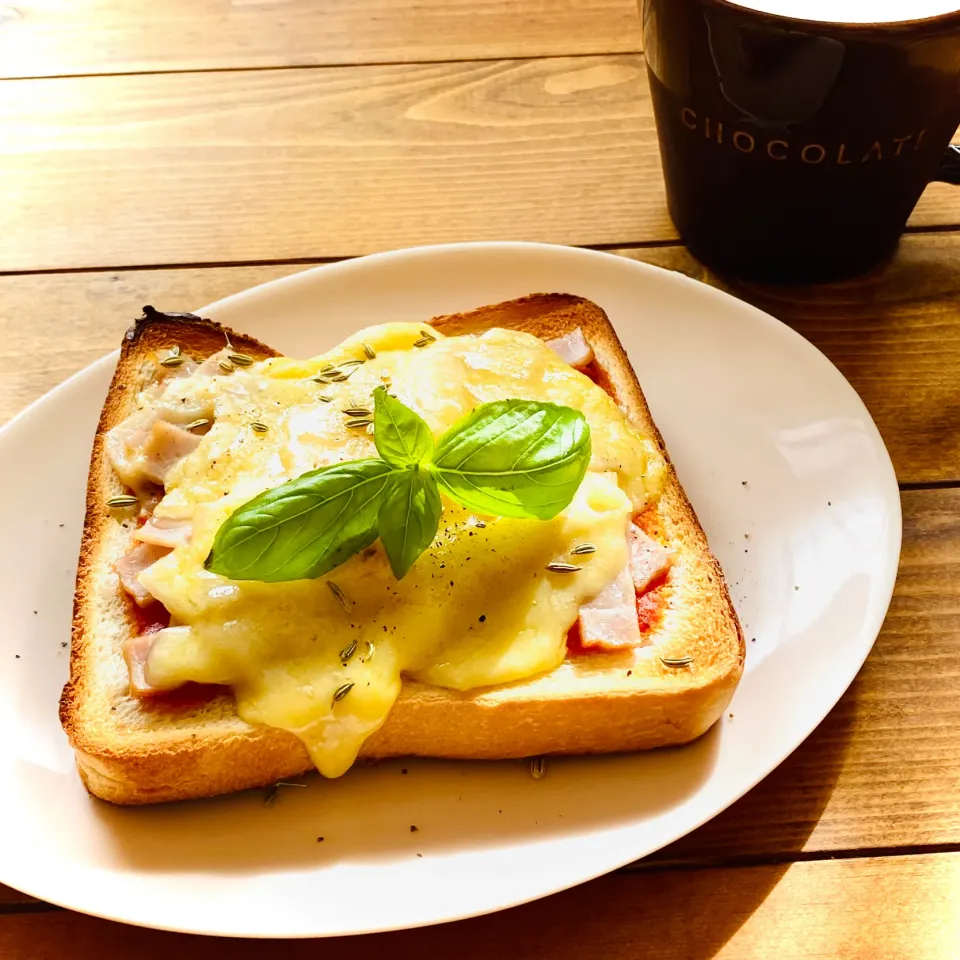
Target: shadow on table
pixel 770 827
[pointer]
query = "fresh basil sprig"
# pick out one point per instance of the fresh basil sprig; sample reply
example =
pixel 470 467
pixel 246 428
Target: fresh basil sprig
pixel 511 458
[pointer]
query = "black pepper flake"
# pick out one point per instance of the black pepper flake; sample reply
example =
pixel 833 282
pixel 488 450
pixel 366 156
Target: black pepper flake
pixel 753 639
pixel 419 854
pixel 629 673
pixel 319 839
pixel 829 504
pixel 743 483
pixel 796 588
pixel 17 656
pixel 483 617
pixel 413 829
pixel 404 771
pixel 63 644
pixel 451 583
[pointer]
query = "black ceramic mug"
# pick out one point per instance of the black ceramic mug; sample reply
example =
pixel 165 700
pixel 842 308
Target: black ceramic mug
pixel 795 149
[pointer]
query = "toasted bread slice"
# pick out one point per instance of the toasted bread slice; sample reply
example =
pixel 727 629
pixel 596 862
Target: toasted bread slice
pixel 134 751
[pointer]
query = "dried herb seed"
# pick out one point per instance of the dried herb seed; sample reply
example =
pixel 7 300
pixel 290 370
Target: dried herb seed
pixel 424 341
pixel 225 365
pixel 370 353
pixel 560 567
pixel 174 360
pixel 258 427
pixel 323 398
pixel 358 412
pixel 359 422
pixel 240 359
pixel 202 422
pixel 584 548
pixel 676 661
pixel 339 594
pixel 538 768
pixel 122 501
pixel 342 691
pixel 428 336
pixel 347 652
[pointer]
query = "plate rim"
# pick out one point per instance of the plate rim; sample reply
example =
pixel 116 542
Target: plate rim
pixel 869 626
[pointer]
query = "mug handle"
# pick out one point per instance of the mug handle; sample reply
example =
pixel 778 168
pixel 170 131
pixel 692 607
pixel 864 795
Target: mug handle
pixel 949 171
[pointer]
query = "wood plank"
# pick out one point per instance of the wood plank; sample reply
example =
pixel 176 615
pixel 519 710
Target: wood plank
pixel 869 909
pixel 39 37
pixel 894 334
pixel 273 165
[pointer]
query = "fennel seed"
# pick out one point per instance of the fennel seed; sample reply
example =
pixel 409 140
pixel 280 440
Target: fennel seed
pixel 584 548
pixel 427 335
pixel 339 594
pixel 240 359
pixel 559 567
pixel 424 341
pixel 341 692
pixel 202 422
pixel 258 427
pixel 174 360
pixel 359 422
pixel 676 661
pixel 122 501
pixel 225 365
pixel 358 412
pixel 348 651
pixel 370 353
pixel 538 768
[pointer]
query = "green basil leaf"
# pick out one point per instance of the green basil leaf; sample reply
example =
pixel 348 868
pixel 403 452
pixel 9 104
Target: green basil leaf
pixel 515 458
pixel 304 528
pixel 402 437
pixel 409 518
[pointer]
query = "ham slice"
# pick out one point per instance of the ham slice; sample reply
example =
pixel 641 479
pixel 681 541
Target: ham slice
pixel 136 652
pixel 572 348
pixel 648 559
pixel 166 444
pixel 165 532
pixel 132 564
pixel 609 620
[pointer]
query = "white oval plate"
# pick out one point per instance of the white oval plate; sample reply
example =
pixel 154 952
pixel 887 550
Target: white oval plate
pixel 779 457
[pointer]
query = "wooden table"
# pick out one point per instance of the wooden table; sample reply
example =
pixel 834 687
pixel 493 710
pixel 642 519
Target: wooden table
pixel 176 151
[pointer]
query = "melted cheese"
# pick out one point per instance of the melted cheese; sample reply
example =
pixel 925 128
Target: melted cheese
pixel 478 608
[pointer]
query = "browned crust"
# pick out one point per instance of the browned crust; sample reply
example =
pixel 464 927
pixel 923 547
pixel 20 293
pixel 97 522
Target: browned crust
pixel 589 705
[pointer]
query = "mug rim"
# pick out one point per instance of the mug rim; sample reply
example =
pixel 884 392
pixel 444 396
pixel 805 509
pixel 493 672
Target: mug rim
pixel 934 22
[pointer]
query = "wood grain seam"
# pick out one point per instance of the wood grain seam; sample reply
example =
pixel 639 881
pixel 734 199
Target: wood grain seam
pixel 948 484
pixel 294 261
pixel 734 861
pixel 273 68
